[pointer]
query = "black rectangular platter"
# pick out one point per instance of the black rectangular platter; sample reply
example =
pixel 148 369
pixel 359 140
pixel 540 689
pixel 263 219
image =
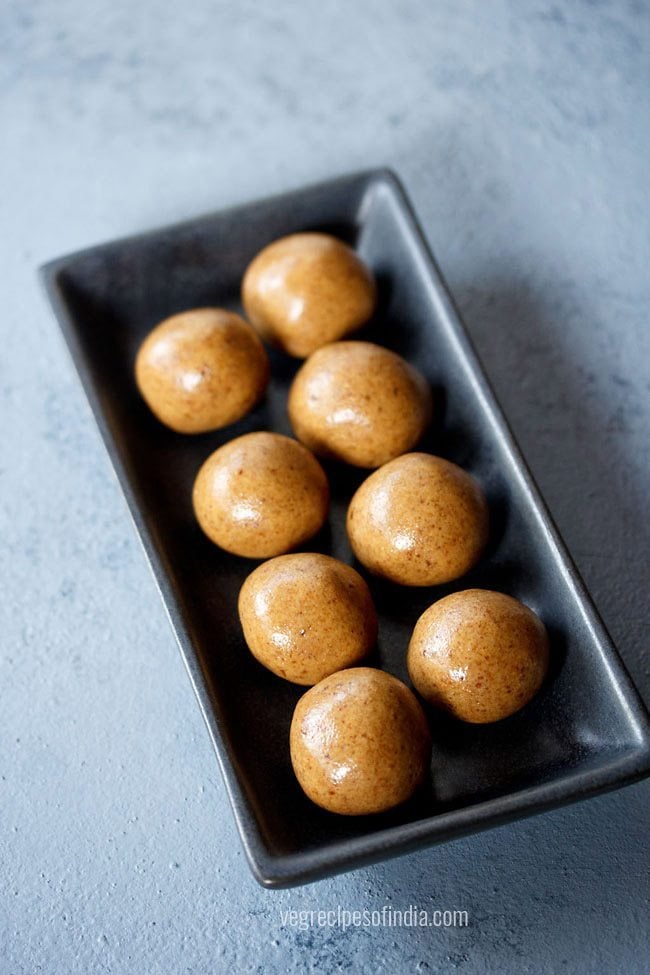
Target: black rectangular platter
pixel 586 732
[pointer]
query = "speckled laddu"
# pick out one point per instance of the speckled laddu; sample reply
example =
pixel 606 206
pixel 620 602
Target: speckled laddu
pixel 419 521
pixel 201 370
pixel 307 615
pixel 307 289
pixel 261 495
pixel 479 655
pixel 518 129
pixel 360 742
pixel 359 403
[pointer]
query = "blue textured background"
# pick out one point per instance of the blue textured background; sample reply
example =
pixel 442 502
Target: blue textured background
pixel 522 132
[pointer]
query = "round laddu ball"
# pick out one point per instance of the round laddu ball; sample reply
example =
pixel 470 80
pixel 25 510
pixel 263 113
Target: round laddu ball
pixel 305 616
pixel 479 655
pixel 359 403
pixel 359 742
pixel 305 290
pixel 261 495
pixel 419 521
pixel 201 370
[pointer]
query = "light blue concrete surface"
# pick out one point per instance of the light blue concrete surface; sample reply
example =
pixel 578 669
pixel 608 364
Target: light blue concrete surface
pixel 522 131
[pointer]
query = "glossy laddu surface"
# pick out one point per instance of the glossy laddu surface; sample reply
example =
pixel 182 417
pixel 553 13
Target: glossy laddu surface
pixel 479 655
pixel 360 743
pixel 307 615
pixel 359 403
pixel 419 521
pixel 307 289
pixel 260 495
pixel 201 370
